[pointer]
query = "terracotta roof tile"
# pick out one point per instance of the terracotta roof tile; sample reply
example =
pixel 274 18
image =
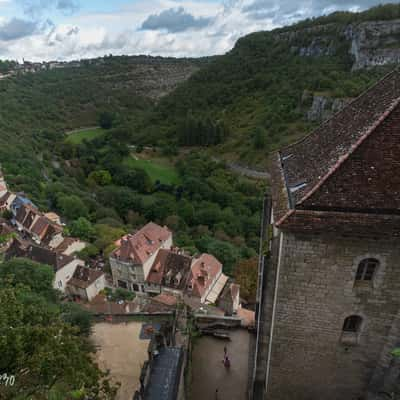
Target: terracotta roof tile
pixel 140 246
pixel 170 269
pixel 40 226
pixel 166 299
pixel 330 169
pixel 308 161
pixel 84 277
pixel 20 248
pixel 203 272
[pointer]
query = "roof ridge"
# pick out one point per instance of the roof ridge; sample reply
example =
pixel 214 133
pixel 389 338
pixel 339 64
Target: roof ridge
pixel 352 149
pixel 348 105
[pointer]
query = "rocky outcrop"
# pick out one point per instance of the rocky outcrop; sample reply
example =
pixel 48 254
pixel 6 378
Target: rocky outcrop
pixel 375 43
pixel 372 43
pixel 153 80
pixel 323 106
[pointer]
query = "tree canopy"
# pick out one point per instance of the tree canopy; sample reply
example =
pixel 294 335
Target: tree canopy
pixel 43 343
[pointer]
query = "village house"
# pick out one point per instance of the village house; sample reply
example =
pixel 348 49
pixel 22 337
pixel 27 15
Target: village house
pixel 132 260
pixel 30 220
pixel 64 266
pixel 86 283
pixel 206 279
pixel 53 217
pixel 169 272
pixel 6 200
pixel 70 246
pixel 330 311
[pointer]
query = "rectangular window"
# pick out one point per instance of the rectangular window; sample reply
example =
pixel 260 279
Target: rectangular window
pixel 122 284
pixel 60 284
pixel 135 287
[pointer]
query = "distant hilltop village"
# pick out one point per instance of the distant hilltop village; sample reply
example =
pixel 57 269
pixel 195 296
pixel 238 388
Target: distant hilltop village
pixel 13 68
pixel 32 67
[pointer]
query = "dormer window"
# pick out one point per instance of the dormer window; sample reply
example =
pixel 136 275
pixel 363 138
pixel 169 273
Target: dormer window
pixel 295 188
pixel 366 270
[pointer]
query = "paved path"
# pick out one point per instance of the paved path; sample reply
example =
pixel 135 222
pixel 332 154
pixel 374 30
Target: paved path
pixel 250 173
pixel 245 171
pixel 89 128
pixel 210 374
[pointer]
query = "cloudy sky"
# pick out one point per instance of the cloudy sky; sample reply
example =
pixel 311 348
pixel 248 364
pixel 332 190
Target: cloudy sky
pixel 72 29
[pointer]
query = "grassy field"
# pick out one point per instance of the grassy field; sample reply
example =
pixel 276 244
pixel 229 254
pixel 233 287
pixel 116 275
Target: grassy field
pixel 78 137
pixel 158 169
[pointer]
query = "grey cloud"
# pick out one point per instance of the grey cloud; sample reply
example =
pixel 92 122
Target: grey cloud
pixel 175 20
pixel 35 8
pixel 16 29
pixel 67 6
pixel 54 38
pixel 285 11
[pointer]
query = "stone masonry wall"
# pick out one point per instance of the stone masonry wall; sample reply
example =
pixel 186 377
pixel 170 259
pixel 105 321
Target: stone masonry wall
pixel 316 293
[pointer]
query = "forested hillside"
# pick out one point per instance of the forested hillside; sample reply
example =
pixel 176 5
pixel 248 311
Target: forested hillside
pixel 270 89
pixel 97 183
pixel 36 109
pixel 273 87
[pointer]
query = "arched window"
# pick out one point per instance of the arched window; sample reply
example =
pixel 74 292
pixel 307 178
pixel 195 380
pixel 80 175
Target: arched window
pixel 366 269
pixel 352 324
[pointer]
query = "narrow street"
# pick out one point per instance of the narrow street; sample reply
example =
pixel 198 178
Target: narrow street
pixel 210 374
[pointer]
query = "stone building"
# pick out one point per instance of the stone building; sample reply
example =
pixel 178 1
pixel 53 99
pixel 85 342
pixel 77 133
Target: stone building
pixel 330 299
pixel 131 262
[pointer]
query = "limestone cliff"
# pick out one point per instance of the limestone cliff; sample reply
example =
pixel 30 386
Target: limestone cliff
pixel 372 43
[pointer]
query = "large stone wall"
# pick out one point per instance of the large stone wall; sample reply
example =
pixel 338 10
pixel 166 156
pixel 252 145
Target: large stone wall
pixel 315 294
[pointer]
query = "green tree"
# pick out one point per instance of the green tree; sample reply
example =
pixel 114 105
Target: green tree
pixel 75 315
pixel 82 228
pixel 106 119
pixel 260 138
pixel 72 207
pixel 100 177
pixel 39 278
pixel 46 354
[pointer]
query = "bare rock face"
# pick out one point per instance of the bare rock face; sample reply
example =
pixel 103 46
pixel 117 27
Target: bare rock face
pixel 372 43
pixel 154 80
pixel 323 107
pixel 375 43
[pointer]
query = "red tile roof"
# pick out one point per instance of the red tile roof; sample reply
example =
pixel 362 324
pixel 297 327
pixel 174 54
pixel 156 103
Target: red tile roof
pixel 140 246
pixel 4 199
pixel 170 269
pixel 40 226
pixel 326 169
pixel 65 244
pixel 84 277
pixel 21 248
pixel 166 299
pixel 204 271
